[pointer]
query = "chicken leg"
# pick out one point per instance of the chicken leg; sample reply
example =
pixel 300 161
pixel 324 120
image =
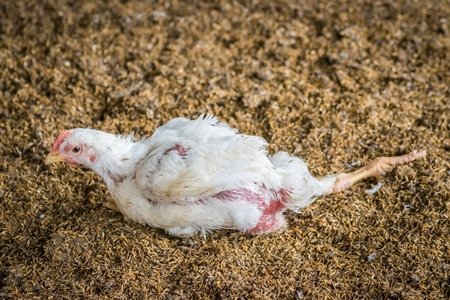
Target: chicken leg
pixel 376 168
pixel 111 204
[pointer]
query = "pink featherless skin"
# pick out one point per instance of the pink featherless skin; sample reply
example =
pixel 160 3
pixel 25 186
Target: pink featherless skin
pixel 62 136
pixel 194 176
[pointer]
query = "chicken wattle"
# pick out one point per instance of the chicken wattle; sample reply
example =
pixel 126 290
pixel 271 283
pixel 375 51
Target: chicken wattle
pixel 198 175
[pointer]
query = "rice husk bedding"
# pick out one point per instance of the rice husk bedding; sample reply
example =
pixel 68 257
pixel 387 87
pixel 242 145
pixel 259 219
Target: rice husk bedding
pixel 337 83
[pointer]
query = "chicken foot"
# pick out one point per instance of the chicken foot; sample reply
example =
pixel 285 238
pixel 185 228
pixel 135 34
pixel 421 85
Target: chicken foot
pixel 111 204
pixel 376 168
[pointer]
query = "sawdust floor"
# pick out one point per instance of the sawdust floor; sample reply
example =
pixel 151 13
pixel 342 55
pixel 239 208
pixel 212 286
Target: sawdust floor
pixel 334 82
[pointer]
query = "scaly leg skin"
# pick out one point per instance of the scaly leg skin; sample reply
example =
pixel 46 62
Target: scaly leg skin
pixel 111 204
pixel 376 168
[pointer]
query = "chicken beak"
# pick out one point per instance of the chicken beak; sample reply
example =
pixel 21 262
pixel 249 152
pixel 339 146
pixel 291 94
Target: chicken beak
pixel 53 158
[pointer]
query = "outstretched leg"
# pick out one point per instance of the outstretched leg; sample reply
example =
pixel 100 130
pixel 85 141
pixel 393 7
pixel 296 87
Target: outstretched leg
pixel 376 168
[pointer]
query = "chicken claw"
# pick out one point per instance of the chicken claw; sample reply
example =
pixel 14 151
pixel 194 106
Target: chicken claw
pixel 377 168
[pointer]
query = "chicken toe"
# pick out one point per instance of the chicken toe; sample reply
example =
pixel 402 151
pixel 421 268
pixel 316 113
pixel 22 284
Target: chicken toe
pixel 377 168
pixel 111 204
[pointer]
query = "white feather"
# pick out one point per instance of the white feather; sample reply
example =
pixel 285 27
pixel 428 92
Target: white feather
pixel 198 175
pixel 374 189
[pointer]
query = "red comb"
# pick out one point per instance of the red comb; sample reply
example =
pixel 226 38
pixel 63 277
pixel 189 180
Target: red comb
pixel 60 139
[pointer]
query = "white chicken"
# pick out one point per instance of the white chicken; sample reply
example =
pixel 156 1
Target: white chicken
pixel 199 175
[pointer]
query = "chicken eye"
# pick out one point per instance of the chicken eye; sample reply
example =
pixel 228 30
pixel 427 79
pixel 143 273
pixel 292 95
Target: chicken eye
pixel 76 149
